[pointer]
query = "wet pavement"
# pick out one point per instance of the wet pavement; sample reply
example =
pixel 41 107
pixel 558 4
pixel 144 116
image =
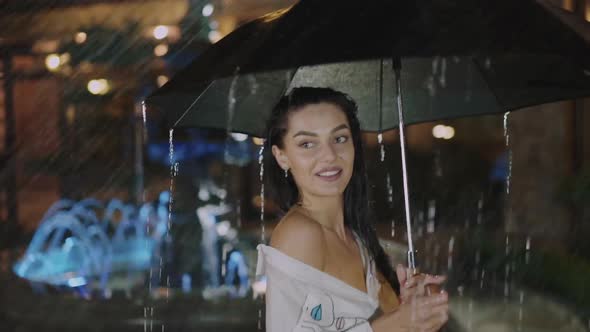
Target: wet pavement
pixel 22 310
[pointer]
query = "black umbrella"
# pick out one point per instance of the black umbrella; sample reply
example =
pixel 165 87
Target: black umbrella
pixel 459 57
pixel 456 58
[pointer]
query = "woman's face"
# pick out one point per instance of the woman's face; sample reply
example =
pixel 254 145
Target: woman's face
pixel 318 150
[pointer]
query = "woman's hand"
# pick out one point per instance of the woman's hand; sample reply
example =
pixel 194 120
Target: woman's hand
pixel 427 313
pixel 415 285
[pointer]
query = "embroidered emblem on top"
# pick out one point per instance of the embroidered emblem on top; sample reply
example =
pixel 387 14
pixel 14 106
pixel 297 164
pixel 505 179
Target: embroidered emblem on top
pixel 316 312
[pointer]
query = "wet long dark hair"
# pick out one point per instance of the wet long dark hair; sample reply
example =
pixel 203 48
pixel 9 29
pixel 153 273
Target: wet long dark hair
pixel 357 215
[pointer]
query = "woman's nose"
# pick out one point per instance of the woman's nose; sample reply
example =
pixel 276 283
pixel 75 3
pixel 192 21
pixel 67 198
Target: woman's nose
pixel 329 153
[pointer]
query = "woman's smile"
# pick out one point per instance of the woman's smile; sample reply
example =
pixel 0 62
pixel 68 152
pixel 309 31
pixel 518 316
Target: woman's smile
pixel 330 174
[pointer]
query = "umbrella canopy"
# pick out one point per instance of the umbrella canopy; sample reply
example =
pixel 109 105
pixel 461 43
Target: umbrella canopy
pixel 458 58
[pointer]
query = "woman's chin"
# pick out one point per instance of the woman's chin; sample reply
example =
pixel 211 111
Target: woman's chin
pixel 326 191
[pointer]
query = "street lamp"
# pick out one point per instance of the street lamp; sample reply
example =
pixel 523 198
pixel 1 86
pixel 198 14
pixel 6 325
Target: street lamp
pixel 161 32
pixel 52 62
pixel 99 86
pixel 207 10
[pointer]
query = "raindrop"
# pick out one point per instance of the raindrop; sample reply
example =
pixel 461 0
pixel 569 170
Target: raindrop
pixel 429 84
pixel 469 85
pixel 389 189
pixel 145 319
pixel 152 319
pixel 144 119
pixel 229 137
pixel 520 310
pixel 436 257
pixel 261 175
pixel 480 209
pixel 470 316
pixel 450 255
pixel 481 279
pixel 420 224
pixel 442 80
pixel 239 213
pixel 392 228
pixel 261 162
pixel 507 270
pixel 475 273
pixel 507 247
pixel 431 216
pixel 507 137
pixel 461 290
pixel 506 283
pixel 435 65
pixel 224 253
pixel 437 163
pixel 147 225
pixel 381 146
pixel 168 239
pixel 527 255
pixel 253 84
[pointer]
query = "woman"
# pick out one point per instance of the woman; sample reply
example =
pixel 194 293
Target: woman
pixel 325 268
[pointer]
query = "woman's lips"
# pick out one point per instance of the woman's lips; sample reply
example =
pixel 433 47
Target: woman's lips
pixel 330 175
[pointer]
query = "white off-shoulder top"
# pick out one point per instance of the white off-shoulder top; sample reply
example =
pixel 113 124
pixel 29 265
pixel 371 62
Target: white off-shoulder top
pixel 300 297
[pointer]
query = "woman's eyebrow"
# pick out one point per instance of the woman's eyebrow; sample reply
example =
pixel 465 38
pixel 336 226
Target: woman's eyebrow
pixel 304 133
pixel 340 127
pixel 309 133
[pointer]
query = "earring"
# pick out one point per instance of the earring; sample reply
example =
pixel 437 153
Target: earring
pixel 286 173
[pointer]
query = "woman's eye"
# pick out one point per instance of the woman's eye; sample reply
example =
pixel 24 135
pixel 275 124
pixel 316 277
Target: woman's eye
pixel 341 139
pixel 306 145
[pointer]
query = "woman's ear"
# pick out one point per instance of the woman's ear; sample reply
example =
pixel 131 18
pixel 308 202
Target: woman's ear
pixel 280 157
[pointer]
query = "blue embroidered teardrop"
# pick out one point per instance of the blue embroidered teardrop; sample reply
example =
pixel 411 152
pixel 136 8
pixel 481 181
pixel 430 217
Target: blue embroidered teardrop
pixel 316 312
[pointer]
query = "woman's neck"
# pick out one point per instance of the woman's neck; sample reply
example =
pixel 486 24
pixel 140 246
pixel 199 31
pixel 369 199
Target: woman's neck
pixel 328 211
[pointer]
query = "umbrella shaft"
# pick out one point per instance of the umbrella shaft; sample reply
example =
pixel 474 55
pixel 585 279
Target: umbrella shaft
pixel 402 137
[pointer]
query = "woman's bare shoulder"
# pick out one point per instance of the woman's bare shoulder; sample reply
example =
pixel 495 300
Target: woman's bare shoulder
pixel 300 237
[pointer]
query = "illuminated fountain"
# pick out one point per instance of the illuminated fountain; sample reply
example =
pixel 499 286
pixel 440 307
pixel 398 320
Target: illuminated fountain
pixel 72 247
pixel 64 252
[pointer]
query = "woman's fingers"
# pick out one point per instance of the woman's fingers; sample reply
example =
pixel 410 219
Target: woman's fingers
pixel 423 279
pixel 431 301
pixel 402 274
pixel 427 312
pixel 424 307
pixel 433 279
pixel 432 312
pixel 436 320
pixel 416 285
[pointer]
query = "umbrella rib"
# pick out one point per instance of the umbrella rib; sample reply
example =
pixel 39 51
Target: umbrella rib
pixel 485 80
pixel 193 104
